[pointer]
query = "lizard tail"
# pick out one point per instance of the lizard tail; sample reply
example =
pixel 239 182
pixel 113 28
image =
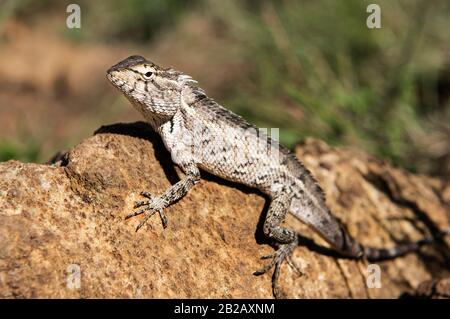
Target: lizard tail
pixel 339 238
pixel 330 229
pixel 375 254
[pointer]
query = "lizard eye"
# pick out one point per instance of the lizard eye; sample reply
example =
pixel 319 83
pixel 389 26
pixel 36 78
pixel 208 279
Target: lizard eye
pixel 148 75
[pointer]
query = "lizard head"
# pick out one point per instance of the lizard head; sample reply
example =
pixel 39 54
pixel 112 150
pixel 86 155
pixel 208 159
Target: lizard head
pixel 149 87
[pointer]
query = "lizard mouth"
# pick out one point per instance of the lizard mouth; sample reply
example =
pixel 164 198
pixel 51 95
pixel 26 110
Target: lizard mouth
pixel 116 81
pixel 110 76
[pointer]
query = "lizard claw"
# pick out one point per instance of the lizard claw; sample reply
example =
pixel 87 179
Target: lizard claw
pixel 151 207
pixel 294 265
pixel 284 252
pixel 163 217
pixel 288 258
pixel 147 216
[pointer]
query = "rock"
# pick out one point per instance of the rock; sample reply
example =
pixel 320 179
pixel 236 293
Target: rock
pixel 63 233
pixel 435 289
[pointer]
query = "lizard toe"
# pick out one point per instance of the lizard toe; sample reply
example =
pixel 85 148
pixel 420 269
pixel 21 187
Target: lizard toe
pixel 141 203
pixel 146 218
pixel 150 207
pixel 284 252
pixel 146 195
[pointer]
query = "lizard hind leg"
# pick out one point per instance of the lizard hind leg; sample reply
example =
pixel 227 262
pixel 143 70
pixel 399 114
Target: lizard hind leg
pixel 286 239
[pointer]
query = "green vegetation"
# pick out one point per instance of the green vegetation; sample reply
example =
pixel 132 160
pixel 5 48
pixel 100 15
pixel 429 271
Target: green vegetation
pixel 28 152
pixel 316 70
pixel 111 20
pixel 313 68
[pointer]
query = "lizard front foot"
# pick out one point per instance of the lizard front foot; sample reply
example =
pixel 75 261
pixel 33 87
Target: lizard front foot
pixel 284 252
pixel 150 207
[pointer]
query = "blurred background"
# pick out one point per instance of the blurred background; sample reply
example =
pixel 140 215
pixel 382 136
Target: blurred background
pixel 310 68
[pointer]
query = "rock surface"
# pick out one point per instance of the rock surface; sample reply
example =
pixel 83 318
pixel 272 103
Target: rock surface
pixel 435 289
pixel 56 220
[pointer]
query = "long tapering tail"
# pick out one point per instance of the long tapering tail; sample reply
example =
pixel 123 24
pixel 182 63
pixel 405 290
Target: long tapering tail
pixel 374 254
pixel 325 224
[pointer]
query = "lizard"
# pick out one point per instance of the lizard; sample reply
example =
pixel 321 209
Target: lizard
pixel 200 134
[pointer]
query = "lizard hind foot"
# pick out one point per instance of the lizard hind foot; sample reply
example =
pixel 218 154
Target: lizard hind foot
pixel 284 252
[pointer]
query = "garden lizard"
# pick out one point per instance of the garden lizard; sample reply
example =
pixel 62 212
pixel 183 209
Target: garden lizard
pixel 201 134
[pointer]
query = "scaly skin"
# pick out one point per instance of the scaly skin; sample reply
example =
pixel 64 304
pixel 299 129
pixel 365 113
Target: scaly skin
pixel 201 134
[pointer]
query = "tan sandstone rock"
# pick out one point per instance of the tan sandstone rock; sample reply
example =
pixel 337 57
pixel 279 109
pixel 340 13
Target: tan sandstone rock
pixel 434 288
pixel 69 216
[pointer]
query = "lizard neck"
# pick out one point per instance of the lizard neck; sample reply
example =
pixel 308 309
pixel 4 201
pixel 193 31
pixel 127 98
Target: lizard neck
pixel 154 119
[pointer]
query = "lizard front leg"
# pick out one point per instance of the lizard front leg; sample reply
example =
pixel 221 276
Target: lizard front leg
pixel 171 195
pixel 285 237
